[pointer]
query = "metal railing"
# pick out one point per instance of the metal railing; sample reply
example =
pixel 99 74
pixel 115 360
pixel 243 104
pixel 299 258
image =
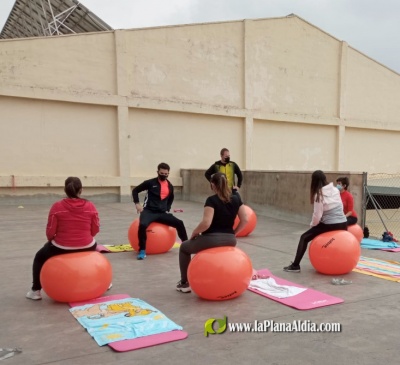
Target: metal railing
pixel 382 204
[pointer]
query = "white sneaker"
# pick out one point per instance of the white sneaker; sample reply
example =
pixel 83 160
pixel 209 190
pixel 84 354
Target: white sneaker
pixel 184 288
pixel 34 295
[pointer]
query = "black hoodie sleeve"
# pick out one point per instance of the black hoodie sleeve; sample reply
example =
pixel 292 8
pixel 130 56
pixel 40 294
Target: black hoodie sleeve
pixel 239 175
pixel 138 189
pixel 209 172
pixel 170 197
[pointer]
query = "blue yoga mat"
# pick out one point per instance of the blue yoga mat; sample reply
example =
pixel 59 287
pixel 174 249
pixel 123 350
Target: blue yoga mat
pixel 372 244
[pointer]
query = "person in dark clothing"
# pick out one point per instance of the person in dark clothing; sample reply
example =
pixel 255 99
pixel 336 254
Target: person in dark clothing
pixel 227 167
pixel 216 227
pixel 156 206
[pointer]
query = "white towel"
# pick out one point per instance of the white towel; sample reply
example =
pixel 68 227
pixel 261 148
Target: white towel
pixel 270 287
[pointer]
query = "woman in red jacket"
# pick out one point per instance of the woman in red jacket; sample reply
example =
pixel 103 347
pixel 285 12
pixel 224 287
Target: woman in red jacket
pixel 72 225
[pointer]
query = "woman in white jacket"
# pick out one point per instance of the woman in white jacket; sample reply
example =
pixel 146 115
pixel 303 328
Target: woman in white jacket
pixel 328 215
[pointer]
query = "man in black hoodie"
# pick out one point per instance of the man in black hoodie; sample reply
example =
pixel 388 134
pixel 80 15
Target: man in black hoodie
pixel 156 206
pixel 227 167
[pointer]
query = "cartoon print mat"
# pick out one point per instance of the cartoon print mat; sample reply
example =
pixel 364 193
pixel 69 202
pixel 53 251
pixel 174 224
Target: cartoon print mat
pixel 125 323
pixel 121 248
pixel 114 248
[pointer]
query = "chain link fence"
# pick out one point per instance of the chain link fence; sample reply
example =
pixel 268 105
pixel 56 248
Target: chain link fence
pixel 382 204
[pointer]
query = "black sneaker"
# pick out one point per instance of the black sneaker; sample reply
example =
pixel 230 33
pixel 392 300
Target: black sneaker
pixel 292 268
pixel 183 287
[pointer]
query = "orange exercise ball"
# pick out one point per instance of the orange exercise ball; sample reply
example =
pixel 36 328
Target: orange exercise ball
pixel 335 252
pixel 75 277
pixel 357 231
pixel 220 273
pixel 160 237
pixel 251 224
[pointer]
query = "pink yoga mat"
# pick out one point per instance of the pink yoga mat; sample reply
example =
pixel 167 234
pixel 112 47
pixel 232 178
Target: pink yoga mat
pixel 100 299
pixel 308 299
pixel 101 248
pixel 147 341
pixel 140 342
pixel 391 249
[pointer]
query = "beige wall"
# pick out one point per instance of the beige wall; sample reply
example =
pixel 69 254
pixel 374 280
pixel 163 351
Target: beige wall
pixel 187 64
pixel 182 140
pixel 280 93
pixel 292 67
pixel 69 63
pixel 372 152
pixel 43 138
pixel 372 93
pixel 293 146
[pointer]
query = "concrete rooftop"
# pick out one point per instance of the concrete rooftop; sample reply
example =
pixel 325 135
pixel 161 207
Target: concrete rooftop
pixel 48 334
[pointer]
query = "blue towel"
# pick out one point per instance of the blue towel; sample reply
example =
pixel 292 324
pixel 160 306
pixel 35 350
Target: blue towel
pixel 377 244
pixel 122 319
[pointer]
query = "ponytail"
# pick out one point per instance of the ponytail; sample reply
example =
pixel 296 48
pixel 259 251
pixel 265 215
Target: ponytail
pixel 221 187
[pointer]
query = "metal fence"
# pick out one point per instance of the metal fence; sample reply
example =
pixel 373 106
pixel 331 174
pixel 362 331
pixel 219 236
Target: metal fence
pixel 382 204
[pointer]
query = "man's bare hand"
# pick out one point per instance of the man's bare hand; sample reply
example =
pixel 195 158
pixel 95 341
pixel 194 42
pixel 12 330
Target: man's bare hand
pixel 139 208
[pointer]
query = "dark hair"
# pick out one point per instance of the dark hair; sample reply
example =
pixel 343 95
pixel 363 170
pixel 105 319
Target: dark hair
pixel 221 186
pixel 73 187
pixel 163 166
pixel 318 181
pixel 223 151
pixel 344 180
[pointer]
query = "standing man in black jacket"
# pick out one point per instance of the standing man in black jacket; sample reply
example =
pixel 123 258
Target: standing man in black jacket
pixel 227 167
pixel 156 206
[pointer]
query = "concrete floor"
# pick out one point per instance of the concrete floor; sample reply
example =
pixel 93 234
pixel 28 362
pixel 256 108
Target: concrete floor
pixel 48 334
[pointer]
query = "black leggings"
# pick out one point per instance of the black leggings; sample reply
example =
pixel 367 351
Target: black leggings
pixel 46 252
pixel 313 232
pixel 351 220
pixel 147 217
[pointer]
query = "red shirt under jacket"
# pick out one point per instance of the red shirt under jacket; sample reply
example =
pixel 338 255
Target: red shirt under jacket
pixel 348 203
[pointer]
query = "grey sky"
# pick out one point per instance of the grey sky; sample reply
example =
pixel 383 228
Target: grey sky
pixel 370 26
